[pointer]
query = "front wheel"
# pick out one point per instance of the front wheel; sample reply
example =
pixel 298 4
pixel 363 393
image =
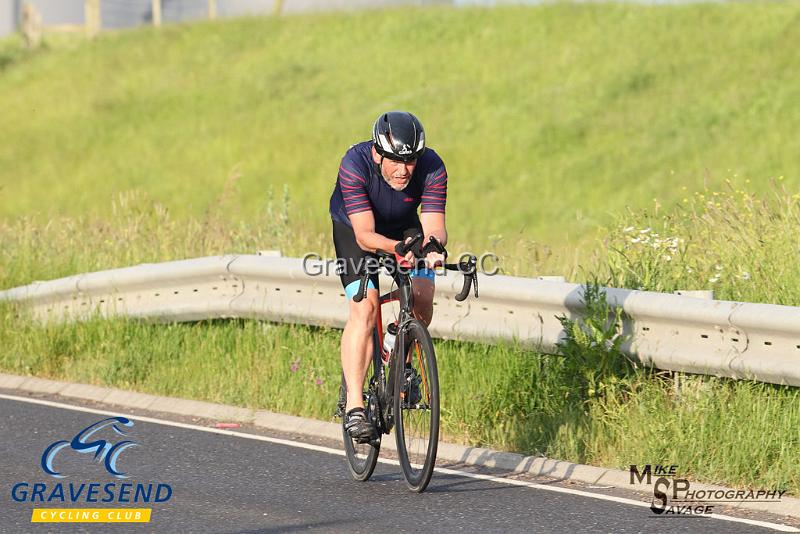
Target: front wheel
pixel 416 407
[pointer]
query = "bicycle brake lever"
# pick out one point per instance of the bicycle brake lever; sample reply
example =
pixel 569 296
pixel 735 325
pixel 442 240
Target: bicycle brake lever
pixel 362 289
pixel 433 245
pixel 402 248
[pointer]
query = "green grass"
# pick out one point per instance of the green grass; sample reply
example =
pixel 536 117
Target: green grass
pixel 740 244
pixel 550 118
pixel 502 397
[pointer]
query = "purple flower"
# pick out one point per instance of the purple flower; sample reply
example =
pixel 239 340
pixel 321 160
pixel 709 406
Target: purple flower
pixel 295 365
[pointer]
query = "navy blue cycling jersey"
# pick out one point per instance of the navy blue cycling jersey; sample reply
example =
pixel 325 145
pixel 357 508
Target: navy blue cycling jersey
pixel 360 187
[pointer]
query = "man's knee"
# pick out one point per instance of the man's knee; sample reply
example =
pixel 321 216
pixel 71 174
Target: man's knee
pixel 363 314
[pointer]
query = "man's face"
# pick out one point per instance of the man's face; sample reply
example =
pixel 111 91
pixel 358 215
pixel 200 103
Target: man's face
pixel 396 173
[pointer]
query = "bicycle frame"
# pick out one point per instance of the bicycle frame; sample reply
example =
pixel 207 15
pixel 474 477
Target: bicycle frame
pixel 380 383
pixel 406 296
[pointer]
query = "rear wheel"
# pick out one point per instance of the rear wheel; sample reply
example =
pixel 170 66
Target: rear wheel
pixel 361 457
pixel 416 407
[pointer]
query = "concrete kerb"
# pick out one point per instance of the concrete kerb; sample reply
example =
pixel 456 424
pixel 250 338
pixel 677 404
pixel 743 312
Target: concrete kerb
pixel 131 399
pixel 86 391
pixel 42 385
pixel 507 461
pixel 207 410
pixel 11 381
pixel 297 425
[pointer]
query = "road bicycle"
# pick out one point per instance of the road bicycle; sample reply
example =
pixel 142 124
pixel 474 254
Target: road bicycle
pixel 402 391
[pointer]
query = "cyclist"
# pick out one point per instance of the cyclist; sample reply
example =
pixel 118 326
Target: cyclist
pixel 380 185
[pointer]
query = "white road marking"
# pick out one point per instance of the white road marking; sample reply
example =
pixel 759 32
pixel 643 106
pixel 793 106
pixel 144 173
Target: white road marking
pixel 442 470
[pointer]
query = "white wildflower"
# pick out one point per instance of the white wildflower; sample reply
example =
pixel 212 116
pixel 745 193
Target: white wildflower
pixel 646 230
pixel 628 229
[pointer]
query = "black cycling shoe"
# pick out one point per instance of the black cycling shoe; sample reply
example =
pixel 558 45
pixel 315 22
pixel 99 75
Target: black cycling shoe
pixel 357 425
pixel 413 393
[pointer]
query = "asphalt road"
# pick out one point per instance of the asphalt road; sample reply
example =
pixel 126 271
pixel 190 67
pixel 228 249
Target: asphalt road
pixel 224 483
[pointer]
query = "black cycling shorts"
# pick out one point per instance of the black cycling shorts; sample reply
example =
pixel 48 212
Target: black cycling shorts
pixel 352 260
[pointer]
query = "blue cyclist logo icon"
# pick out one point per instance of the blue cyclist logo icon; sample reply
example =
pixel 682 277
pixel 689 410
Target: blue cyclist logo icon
pixel 104 451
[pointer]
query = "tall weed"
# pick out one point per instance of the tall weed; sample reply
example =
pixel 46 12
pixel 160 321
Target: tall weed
pixel 739 244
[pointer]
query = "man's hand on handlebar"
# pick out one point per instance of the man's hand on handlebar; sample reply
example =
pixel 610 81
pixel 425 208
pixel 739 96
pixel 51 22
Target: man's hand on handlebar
pixel 432 253
pixel 434 259
pixel 435 253
pixel 407 259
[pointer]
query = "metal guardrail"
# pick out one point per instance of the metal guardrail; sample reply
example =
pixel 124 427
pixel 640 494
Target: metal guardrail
pixel 672 332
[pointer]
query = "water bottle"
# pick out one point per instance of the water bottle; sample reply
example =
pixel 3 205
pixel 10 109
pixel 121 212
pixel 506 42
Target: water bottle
pixel 388 337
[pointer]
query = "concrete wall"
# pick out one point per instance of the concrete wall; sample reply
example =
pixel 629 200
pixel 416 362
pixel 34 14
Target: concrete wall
pixel 131 13
pixel 8 16
pixel 298 6
pixel 56 12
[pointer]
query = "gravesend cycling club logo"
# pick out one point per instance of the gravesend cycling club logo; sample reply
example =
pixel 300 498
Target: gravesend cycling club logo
pixel 103 450
pixel 102 443
pixel 673 495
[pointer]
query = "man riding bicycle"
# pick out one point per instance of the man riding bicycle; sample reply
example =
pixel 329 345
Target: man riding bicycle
pixel 380 185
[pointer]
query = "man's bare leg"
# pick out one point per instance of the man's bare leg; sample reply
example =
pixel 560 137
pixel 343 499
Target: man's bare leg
pixel 356 350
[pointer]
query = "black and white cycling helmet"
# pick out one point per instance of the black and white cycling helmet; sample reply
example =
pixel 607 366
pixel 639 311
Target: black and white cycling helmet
pixel 398 135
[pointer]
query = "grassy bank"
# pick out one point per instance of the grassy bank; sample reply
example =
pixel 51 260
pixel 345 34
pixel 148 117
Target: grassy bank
pixel 554 116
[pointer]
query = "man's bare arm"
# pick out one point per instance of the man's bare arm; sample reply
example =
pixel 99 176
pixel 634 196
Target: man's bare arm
pixel 433 225
pixel 366 237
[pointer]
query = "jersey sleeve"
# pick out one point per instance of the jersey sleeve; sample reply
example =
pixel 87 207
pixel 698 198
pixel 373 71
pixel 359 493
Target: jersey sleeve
pixel 434 192
pixel 353 184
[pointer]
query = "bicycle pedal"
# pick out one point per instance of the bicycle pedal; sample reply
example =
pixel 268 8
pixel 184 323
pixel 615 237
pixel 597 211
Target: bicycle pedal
pixel 372 439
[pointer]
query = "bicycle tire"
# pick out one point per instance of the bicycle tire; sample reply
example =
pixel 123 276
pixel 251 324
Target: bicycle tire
pixel 361 457
pixel 417 425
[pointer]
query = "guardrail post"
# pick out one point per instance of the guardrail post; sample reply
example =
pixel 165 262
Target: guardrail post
pixel 212 9
pixel 277 7
pixel 676 384
pixel 156 8
pixel 91 15
pixel 31 25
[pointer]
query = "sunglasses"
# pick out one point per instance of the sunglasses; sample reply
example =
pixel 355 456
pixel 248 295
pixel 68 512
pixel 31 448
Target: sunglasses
pixel 410 161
